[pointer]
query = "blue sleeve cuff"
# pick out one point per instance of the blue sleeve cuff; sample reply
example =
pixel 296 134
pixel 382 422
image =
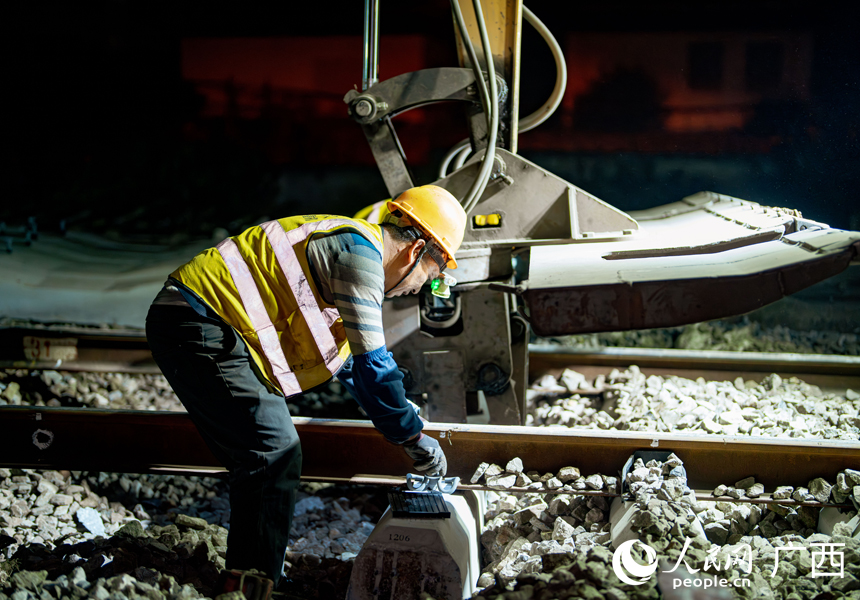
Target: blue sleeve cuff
pixel 377 385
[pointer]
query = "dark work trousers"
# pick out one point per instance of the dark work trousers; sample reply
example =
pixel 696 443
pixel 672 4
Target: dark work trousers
pixel 244 422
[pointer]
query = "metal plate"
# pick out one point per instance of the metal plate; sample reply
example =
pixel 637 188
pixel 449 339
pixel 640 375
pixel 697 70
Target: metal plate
pixel 721 257
pixel 537 208
pixel 445 367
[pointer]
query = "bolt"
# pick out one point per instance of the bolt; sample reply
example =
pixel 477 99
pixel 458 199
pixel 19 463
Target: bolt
pixel 363 108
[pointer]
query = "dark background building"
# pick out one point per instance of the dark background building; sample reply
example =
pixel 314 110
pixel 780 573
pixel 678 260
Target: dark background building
pixel 167 121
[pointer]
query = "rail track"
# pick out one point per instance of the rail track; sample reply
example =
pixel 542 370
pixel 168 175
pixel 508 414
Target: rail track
pixel 134 441
pixel 138 441
pixel 348 451
pixel 71 348
pixel 125 350
pixel 829 372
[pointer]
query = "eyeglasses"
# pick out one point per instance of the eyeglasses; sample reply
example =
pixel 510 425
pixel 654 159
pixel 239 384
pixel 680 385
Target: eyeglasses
pixel 440 260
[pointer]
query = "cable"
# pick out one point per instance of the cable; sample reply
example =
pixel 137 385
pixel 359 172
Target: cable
pixel 549 107
pixel 473 58
pixel 463 155
pixel 495 115
pixel 453 152
pixel 480 183
pixel 537 117
pixel 490 104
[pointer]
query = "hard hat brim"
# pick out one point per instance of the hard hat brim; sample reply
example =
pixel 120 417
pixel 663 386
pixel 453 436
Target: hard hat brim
pixel 407 210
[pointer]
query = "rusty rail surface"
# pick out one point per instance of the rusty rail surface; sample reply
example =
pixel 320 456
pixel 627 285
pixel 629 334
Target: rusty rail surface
pixel 768 362
pixel 828 371
pixel 136 441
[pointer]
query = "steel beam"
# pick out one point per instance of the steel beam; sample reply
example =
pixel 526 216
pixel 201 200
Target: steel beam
pixel 131 441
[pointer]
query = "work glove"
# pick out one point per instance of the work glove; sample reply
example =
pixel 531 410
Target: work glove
pixel 428 455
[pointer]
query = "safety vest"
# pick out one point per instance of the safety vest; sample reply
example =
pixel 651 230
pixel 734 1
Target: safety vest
pixel 375 213
pixel 260 283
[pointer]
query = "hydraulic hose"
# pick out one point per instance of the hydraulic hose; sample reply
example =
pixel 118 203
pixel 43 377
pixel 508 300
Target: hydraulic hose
pixel 451 156
pixel 480 183
pixel 491 108
pixel 537 117
pixel 473 58
pixel 549 107
pixel 462 156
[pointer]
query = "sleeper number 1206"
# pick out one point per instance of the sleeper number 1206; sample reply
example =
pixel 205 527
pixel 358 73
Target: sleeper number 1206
pixel 398 537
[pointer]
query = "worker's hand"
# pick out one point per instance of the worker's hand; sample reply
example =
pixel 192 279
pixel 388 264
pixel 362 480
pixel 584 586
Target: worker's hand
pixel 427 454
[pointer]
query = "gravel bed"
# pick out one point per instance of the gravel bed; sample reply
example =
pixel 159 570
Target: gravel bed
pixel 539 545
pixel 21 387
pixel 99 534
pixel 109 535
pixel 114 536
pixel 621 400
pixel 84 389
pixel 628 400
pixel 736 336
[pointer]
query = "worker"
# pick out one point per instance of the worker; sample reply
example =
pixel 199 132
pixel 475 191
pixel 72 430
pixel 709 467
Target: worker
pixel 278 310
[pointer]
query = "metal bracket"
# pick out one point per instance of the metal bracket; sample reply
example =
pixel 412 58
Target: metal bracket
pixel 389 156
pixel 533 207
pixel 427 483
pixel 485 337
pixel 374 107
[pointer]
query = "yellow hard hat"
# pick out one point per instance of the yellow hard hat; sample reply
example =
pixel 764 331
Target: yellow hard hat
pixel 435 211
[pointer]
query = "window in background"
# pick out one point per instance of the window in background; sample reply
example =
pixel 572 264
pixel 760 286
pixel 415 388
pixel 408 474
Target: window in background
pixel 705 65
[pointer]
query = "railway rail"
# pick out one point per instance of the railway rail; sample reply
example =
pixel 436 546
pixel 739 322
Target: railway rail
pixel 125 350
pixel 73 348
pixel 828 371
pixel 134 441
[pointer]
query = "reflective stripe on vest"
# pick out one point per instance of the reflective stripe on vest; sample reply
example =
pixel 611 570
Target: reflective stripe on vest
pixel 260 320
pixel 318 321
pixel 373 217
pixel 282 243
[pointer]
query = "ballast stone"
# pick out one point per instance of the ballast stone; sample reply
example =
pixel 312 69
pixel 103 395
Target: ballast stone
pixel 568 474
pixel 515 465
pixel 502 481
pixel 820 489
pixel 91 520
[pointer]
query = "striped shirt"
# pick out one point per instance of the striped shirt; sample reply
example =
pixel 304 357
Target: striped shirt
pixel 347 270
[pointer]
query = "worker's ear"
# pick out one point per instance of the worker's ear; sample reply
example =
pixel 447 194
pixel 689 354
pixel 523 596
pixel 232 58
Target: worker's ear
pixel 415 249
